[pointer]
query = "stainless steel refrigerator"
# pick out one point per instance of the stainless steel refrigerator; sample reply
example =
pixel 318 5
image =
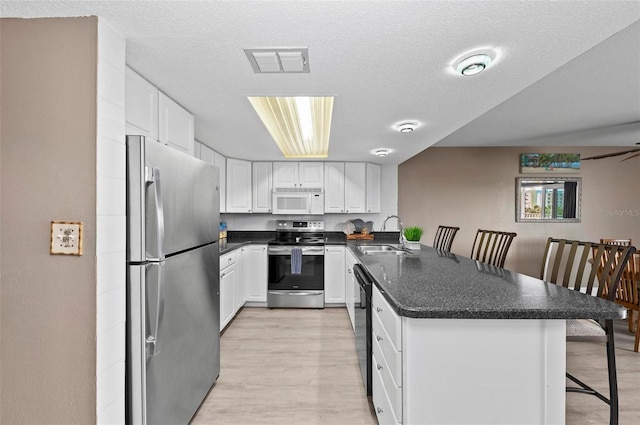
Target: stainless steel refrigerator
pixel 173 290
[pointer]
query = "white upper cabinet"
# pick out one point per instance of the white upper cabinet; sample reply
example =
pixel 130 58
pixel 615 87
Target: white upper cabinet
pixel 311 174
pixel 238 186
pixel 285 174
pixel 212 157
pixel 262 186
pixel 221 162
pixel 175 125
pixel 141 106
pixel 334 184
pixel 298 174
pixel 373 188
pixel 206 153
pixel 354 187
pixel 151 113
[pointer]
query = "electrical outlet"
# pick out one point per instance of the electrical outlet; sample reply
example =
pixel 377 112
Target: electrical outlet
pixel 66 237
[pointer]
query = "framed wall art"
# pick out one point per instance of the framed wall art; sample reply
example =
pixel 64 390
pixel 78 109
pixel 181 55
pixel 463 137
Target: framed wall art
pixel 549 163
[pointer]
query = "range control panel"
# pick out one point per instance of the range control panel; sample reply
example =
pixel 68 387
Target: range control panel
pixel 300 225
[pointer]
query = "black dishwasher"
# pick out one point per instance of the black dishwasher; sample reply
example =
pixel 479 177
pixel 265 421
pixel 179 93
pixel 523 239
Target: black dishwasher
pixel 362 319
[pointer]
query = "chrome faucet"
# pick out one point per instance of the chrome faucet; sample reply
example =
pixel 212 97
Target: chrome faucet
pixel 384 226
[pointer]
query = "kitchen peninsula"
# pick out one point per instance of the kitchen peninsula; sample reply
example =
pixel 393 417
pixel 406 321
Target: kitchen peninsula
pixel 458 341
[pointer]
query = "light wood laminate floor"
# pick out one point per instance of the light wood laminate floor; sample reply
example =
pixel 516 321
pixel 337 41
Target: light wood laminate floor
pixel 289 366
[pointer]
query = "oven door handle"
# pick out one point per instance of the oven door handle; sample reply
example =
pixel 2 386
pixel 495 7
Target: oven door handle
pixel 306 250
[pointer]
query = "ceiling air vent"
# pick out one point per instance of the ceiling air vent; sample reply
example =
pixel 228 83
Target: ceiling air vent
pixel 278 60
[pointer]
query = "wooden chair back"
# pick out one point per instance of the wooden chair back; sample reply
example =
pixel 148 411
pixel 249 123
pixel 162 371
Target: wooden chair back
pixel 491 246
pixel 444 238
pixel 621 242
pixel 628 294
pixel 585 266
pixel 628 291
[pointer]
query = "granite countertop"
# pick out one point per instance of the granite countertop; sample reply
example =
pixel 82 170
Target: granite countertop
pixel 237 239
pixel 432 284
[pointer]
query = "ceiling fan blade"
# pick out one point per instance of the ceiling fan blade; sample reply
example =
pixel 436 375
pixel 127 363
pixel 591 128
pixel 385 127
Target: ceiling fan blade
pixel 632 156
pixel 608 155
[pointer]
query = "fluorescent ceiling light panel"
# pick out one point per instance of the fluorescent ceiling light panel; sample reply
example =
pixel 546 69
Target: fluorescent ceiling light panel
pixel 299 125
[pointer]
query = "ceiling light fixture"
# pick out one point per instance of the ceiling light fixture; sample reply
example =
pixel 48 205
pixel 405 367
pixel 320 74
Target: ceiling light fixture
pixel 406 126
pixel 475 61
pixel 382 152
pixel 299 125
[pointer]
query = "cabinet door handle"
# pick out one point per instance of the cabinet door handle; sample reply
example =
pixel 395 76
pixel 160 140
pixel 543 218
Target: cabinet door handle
pixel 379 410
pixel 379 367
pixel 378 338
pixel 378 309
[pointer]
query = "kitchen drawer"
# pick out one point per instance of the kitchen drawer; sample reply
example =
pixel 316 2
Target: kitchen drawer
pixel 389 319
pixel 228 259
pixel 381 402
pixel 394 393
pixel 392 357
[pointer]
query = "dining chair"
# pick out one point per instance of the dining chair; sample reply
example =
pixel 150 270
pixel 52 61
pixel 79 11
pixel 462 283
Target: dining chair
pixel 491 246
pixel 444 238
pixel 622 242
pixel 628 294
pixel 595 269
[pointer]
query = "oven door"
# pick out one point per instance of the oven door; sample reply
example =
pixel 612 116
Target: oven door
pixel 311 276
pixel 295 290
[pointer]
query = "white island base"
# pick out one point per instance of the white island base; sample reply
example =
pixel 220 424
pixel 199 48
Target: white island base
pixel 465 371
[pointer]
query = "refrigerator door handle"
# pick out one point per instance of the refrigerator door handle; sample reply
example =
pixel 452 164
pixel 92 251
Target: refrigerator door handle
pixel 152 177
pixel 152 340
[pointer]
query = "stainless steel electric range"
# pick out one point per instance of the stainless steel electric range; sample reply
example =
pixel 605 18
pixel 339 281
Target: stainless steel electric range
pixel 296 265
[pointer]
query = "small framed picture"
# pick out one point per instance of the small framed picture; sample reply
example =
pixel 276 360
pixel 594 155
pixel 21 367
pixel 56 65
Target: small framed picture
pixel 66 238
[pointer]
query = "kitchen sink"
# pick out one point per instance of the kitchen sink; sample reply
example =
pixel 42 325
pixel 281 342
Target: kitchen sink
pixel 382 249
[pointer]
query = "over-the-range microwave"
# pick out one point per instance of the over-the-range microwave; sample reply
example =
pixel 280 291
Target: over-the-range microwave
pixel 298 201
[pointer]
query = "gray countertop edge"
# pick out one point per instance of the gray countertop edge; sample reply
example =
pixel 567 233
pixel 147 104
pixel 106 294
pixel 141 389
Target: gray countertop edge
pixel 602 309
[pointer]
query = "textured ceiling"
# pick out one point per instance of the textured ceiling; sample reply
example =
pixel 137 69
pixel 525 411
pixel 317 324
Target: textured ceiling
pixel 564 68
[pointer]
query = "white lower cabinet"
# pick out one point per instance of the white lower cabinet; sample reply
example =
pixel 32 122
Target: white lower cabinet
pixel 380 398
pixel 350 294
pixel 228 284
pixel 436 371
pixel 235 269
pixel 255 273
pixel 334 276
pixel 239 289
pixel 386 336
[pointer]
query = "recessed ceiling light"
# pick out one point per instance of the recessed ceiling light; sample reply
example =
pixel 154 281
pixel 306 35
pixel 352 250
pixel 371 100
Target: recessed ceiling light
pixel 406 126
pixel 382 152
pixel 475 61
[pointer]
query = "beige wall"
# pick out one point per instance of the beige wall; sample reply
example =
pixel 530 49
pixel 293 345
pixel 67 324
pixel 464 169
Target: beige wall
pixel 474 188
pixel 48 172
